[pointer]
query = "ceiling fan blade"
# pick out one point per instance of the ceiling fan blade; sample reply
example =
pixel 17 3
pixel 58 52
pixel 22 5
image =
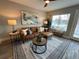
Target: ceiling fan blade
pixel 45 4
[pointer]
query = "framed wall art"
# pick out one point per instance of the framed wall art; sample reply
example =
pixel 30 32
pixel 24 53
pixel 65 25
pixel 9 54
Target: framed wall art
pixel 28 18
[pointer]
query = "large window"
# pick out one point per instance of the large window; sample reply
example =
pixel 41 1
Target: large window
pixel 60 22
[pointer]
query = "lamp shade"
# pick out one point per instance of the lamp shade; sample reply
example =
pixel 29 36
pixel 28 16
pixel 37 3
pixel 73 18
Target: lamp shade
pixel 12 22
pixel 45 22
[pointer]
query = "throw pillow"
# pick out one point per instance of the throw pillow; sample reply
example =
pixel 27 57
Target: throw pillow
pixel 24 31
pixel 41 29
pixel 28 32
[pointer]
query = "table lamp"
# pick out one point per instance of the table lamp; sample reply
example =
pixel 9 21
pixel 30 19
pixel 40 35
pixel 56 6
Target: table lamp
pixel 45 22
pixel 12 22
pixel 45 25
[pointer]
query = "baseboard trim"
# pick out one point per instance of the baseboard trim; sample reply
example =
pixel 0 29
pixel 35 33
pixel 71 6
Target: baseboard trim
pixel 71 38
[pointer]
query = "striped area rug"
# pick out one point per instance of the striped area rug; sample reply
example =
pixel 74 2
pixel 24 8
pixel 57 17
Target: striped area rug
pixel 55 50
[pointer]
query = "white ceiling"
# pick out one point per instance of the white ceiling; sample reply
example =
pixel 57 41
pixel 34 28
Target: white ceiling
pixel 39 4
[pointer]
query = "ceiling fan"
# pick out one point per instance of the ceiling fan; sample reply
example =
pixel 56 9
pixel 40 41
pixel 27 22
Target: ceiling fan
pixel 47 1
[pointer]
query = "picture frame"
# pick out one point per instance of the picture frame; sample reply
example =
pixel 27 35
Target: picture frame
pixel 28 18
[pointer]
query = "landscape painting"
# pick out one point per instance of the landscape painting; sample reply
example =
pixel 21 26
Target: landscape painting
pixel 29 18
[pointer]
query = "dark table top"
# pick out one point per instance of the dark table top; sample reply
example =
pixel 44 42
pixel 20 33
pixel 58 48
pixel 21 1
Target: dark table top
pixel 43 41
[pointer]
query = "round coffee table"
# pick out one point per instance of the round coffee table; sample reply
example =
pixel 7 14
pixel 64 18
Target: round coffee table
pixel 37 46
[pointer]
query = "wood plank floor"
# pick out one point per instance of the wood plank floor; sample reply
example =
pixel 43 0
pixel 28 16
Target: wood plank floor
pixel 5 51
pixel 72 52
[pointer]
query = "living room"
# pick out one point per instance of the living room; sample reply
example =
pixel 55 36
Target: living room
pixel 61 29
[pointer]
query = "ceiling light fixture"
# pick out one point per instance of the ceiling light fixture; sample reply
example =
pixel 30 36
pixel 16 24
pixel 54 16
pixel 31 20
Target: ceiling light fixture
pixel 47 1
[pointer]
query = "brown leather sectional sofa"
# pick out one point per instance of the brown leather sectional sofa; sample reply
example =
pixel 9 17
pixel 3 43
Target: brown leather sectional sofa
pixel 29 36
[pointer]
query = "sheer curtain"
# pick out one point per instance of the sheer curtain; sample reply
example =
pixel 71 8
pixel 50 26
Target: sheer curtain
pixel 60 22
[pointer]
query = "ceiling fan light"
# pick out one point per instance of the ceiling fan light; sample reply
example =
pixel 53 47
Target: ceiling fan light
pixel 47 1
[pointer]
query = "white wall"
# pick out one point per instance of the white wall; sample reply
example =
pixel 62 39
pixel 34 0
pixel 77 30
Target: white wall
pixel 12 10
